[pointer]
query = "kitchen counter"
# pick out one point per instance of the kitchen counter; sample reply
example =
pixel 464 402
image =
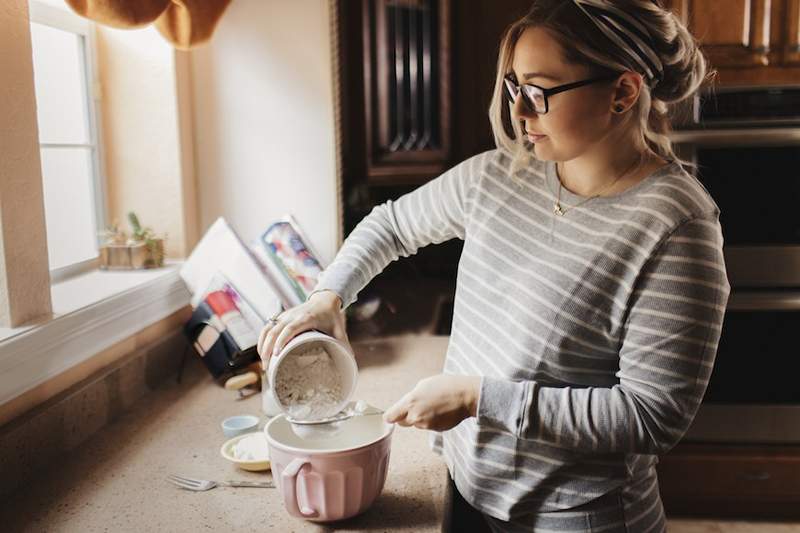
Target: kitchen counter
pixel 116 481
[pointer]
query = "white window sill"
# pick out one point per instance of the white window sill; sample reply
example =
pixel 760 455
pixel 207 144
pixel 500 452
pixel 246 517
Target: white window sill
pixel 91 312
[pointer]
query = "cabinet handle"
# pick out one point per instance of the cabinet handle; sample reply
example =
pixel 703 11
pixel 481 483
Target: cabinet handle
pixel 755 476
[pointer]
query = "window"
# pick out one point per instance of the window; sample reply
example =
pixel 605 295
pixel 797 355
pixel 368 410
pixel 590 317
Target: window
pixel 74 196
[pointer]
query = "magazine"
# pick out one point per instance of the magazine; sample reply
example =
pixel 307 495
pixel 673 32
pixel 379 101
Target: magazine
pixel 233 311
pixel 275 272
pixel 290 251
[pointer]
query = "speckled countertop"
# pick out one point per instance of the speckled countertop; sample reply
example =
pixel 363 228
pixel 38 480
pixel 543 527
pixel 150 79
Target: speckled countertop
pixel 116 480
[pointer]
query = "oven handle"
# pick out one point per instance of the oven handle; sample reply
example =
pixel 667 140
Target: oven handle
pixel 764 301
pixel 738 136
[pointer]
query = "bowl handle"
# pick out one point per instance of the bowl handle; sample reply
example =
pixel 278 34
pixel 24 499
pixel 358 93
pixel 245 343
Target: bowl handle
pixel 289 485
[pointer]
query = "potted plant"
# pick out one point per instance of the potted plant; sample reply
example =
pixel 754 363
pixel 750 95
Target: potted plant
pixel 153 244
pixel 142 249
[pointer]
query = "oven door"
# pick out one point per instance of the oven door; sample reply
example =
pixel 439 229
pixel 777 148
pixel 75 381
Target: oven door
pixel 754 392
pixel 754 176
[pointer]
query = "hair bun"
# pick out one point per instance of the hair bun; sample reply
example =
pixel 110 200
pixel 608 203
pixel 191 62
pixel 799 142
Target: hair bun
pixel 685 65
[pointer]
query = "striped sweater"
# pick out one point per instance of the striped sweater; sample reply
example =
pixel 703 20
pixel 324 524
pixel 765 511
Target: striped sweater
pixel 594 332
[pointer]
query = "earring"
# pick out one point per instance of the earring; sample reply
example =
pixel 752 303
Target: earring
pixel 619 108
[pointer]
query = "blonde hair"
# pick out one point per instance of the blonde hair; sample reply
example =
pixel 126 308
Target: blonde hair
pixel 685 69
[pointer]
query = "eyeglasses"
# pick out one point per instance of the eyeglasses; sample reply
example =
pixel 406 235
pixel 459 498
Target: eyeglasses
pixel 535 97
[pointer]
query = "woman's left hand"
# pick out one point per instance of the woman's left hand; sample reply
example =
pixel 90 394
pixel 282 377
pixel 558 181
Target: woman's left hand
pixel 437 402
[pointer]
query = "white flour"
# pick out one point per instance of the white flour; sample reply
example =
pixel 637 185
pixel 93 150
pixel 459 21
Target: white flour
pixel 252 448
pixel 308 384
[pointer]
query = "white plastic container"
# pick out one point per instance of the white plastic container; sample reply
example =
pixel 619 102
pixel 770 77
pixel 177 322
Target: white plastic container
pixel 340 352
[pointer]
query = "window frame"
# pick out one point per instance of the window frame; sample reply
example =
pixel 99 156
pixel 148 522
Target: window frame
pixel 62 19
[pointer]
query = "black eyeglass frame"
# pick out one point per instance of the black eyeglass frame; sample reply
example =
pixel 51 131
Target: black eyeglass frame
pixel 546 93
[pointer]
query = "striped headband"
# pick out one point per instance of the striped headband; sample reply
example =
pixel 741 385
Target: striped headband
pixel 627 33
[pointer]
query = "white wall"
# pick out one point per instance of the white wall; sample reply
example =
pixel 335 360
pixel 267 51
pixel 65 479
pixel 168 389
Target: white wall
pixel 142 142
pixel 264 120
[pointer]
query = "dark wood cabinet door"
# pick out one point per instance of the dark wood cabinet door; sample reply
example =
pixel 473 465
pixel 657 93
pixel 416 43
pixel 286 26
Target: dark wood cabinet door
pixel 416 80
pixel 791 45
pixel 749 42
pixel 406 61
pixel 731 480
pixel 733 33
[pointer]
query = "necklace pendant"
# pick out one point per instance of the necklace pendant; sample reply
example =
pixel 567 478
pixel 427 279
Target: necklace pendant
pixel 557 209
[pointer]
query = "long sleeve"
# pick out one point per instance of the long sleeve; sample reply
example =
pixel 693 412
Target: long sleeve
pixel 430 214
pixel 666 356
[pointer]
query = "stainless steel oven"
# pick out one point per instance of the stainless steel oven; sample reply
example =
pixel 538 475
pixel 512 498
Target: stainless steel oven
pixel 746 143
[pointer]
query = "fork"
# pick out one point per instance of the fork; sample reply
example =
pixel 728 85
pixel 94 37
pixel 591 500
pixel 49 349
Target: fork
pixel 206 484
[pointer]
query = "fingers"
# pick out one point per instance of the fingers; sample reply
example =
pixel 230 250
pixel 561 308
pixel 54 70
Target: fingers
pixel 276 335
pixel 288 332
pixel 340 333
pixel 284 337
pixel 398 413
pixel 266 338
pixel 270 332
pixel 262 337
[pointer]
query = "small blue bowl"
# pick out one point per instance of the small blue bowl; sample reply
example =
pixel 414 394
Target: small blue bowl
pixel 238 425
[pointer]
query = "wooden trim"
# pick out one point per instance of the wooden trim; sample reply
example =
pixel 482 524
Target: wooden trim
pixel 770 75
pixel 190 215
pixel 792 40
pixel 24 265
pixel 367 8
pixel 337 77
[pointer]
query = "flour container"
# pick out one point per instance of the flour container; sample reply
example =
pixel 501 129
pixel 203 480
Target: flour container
pixel 342 359
pixel 269 405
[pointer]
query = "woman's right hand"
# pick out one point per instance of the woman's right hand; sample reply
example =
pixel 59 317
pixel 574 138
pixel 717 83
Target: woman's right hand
pixel 322 311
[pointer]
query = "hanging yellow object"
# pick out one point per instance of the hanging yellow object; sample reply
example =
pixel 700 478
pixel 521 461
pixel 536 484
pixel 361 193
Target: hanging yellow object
pixel 184 23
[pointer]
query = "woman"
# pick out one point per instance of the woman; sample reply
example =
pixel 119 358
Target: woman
pixel 591 288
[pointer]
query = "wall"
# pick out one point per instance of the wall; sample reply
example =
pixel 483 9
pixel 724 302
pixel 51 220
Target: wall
pixel 148 156
pixel 264 120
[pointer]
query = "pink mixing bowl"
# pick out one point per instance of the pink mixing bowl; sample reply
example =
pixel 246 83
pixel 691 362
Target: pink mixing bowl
pixel 332 478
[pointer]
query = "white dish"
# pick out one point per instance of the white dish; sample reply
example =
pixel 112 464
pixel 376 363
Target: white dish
pixel 233 426
pixel 254 466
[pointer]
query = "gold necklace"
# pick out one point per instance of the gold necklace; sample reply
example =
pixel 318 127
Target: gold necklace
pixel 559 210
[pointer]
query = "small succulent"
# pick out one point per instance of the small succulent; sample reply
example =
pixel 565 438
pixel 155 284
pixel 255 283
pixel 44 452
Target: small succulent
pixel 114 235
pixel 148 236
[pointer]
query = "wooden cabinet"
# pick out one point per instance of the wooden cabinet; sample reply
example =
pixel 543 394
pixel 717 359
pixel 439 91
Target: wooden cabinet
pixel 734 33
pixel 415 80
pixel 731 480
pixel 747 41
pixel 416 77
pixel 406 64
